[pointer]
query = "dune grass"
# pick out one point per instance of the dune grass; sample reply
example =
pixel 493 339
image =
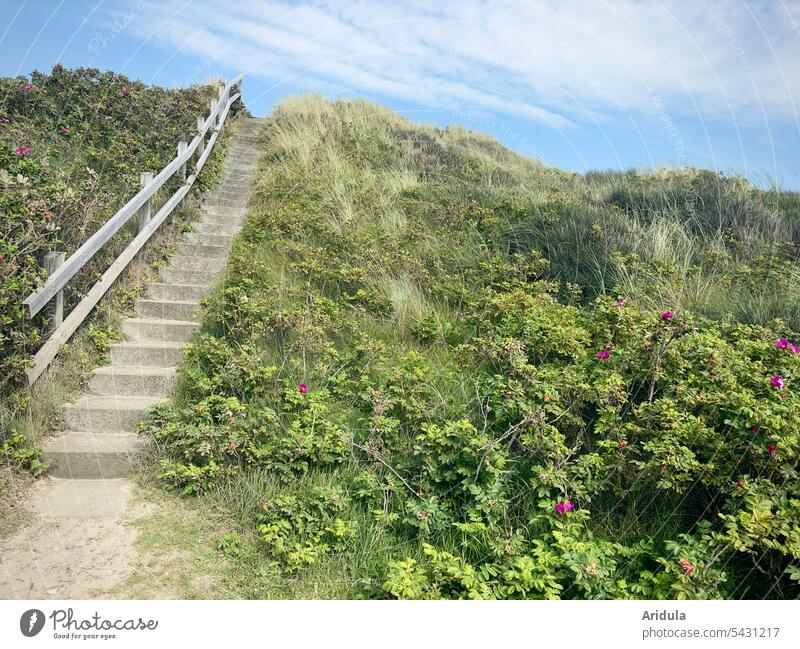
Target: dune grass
pixel 418 380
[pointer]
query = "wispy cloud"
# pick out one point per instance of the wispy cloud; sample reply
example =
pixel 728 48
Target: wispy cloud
pixel 553 62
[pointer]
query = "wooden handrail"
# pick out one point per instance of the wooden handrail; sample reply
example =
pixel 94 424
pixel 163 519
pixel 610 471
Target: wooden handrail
pixel 36 301
pixel 56 282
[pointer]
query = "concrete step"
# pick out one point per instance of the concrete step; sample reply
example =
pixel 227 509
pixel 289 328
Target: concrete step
pixel 196 277
pixel 133 380
pixel 234 183
pixel 230 200
pixel 239 173
pixel 225 206
pixel 200 250
pixel 94 456
pixel 104 414
pixel 203 239
pixel 226 193
pixel 142 329
pixel 210 227
pixel 228 222
pixel 235 178
pixel 166 309
pixel 184 262
pixel 177 292
pixel 223 213
pixel 147 354
pixel 238 182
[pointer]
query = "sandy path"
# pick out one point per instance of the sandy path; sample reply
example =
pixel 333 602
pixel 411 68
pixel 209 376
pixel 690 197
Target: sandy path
pixel 78 545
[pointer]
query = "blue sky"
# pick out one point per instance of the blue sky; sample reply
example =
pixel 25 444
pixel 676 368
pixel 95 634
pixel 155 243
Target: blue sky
pixel 579 84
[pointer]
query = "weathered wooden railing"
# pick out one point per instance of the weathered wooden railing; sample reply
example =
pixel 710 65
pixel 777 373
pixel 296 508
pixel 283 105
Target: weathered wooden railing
pixel 61 270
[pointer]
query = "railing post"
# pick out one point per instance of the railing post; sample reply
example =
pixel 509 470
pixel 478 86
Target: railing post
pixel 182 146
pixel 143 216
pixel 221 93
pixel 202 146
pixel 55 308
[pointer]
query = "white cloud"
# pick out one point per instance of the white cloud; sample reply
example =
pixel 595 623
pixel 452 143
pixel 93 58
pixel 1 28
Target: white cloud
pixel 555 62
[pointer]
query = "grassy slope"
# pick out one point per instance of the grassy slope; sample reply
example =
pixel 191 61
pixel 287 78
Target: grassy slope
pixel 454 393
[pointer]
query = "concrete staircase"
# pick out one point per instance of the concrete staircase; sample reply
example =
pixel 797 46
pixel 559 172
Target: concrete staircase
pixel 99 439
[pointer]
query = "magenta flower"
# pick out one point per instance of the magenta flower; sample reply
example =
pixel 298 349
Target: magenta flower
pixel 782 343
pixel 772 448
pixel 64 130
pixel 667 315
pixel 21 150
pixel 795 349
pixel 563 507
pixel 602 355
pixel 620 301
pixel 28 86
pixel 778 382
pixel 303 388
pixel 125 93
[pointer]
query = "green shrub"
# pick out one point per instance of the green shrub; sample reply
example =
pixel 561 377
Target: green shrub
pixel 486 433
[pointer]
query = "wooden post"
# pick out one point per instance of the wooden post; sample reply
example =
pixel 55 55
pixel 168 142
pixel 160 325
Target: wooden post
pixel 55 309
pixel 181 174
pixel 143 216
pixel 182 149
pixel 221 92
pixel 202 146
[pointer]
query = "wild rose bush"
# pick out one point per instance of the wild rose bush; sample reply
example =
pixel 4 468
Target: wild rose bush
pixel 72 146
pixel 425 401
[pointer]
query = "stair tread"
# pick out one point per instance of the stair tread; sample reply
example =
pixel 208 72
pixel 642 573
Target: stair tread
pixel 162 321
pixel 72 441
pixel 175 285
pixel 136 370
pixel 150 344
pixel 106 402
pixel 150 300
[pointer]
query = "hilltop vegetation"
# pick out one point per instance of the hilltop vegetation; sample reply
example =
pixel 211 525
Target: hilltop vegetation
pixel 436 369
pixel 72 146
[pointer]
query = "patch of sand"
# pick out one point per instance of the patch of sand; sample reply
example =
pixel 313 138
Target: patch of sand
pixel 78 543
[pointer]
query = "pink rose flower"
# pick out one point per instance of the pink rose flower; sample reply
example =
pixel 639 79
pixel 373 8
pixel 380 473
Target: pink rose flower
pixel 778 382
pixel 563 507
